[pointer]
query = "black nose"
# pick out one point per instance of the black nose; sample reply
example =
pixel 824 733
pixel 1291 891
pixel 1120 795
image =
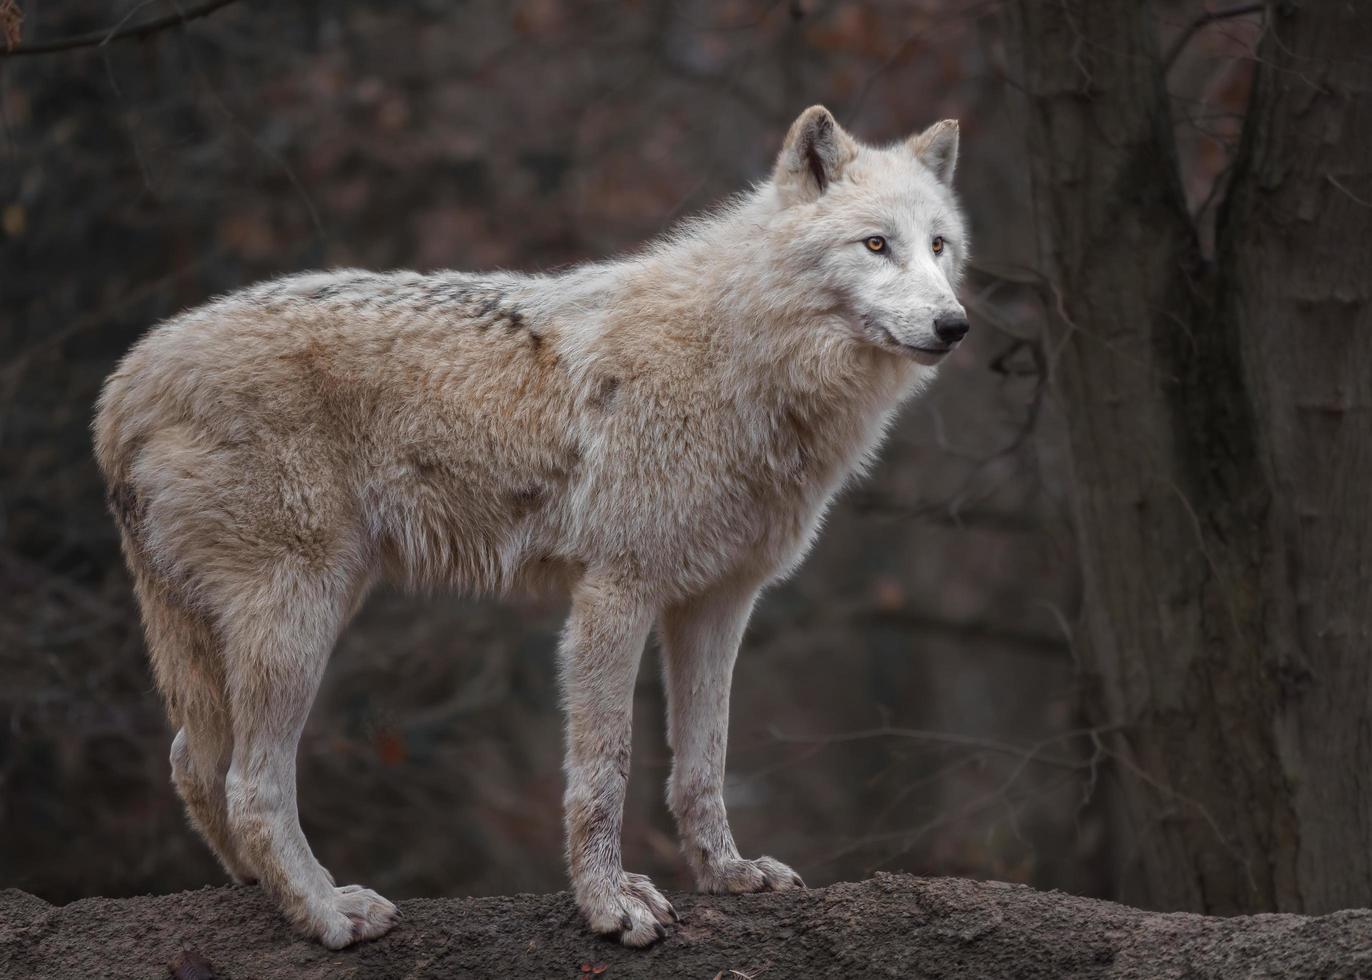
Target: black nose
pixel 951 327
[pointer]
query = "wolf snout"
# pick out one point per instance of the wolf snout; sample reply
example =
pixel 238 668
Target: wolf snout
pixel 951 327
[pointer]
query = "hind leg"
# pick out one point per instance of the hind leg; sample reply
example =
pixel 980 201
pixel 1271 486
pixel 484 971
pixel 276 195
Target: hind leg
pixel 199 764
pixel 274 658
pixel 188 667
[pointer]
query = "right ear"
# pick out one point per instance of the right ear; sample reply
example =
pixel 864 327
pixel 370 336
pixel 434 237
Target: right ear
pixel 813 157
pixel 937 149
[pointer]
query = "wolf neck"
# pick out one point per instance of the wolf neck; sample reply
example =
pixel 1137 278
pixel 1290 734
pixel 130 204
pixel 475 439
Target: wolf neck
pixel 708 301
pixel 778 340
pixel 714 284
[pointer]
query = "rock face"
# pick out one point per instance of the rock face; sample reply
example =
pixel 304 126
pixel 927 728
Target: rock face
pixel 889 926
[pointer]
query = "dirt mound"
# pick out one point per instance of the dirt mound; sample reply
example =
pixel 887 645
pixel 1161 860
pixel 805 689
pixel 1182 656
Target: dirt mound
pixel 890 926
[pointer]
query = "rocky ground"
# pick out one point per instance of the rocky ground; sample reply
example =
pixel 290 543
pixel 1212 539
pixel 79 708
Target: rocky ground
pixel 889 926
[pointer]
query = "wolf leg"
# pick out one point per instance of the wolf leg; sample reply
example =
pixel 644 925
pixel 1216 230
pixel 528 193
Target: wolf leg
pixel 599 655
pixel 199 762
pixel 700 641
pixel 274 658
pixel 187 661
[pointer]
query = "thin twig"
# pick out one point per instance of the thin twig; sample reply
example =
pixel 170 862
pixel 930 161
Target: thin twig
pixel 1033 753
pixel 104 36
pixel 1353 197
pixel 1209 17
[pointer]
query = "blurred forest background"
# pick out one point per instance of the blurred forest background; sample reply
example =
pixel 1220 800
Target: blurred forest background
pixel 915 698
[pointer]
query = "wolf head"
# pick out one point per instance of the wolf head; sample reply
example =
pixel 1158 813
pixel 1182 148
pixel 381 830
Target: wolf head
pixel 877 231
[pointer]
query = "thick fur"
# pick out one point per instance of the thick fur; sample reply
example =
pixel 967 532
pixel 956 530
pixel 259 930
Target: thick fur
pixel 659 436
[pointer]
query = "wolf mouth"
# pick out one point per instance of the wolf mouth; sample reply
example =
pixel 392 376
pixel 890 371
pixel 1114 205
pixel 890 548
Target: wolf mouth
pixel 927 356
pixel 924 355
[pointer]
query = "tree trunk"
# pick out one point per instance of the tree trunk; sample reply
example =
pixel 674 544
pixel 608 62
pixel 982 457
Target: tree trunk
pixel 1221 436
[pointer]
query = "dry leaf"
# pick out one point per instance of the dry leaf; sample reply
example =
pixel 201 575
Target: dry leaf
pixel 190 965
pixel 11 23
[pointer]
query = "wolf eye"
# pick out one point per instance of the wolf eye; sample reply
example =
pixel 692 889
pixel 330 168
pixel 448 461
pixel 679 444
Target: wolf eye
pixel 937 244
pixel 876 244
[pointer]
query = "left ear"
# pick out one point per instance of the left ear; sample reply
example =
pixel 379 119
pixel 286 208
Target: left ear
pixel 813 157
pixel 937 148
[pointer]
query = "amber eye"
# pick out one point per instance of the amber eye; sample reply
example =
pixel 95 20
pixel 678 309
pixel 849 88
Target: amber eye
pixel 876 244
pixel 937 245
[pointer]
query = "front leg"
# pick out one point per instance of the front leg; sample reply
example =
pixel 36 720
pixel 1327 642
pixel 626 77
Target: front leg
pixel 700 641
pixel 599 655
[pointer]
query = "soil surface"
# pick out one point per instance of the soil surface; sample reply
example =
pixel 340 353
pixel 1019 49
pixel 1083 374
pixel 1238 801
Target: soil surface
pixel 889 926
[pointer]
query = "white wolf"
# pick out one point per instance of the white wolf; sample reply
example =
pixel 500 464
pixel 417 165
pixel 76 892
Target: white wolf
pixel 657 435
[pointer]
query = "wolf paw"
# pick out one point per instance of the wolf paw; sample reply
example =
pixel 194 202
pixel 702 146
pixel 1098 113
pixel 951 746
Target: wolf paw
pixel 630 910
pixel 739 876
pixel 358 914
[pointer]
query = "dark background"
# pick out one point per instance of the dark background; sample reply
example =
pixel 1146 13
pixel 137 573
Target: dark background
pixel 910 700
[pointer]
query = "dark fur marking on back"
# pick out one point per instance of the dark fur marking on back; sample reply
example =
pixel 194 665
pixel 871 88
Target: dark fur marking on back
pixel 330 289
pixel 604 395
pixel 425 466
pixel 528 499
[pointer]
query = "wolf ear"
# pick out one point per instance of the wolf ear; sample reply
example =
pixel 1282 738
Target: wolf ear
pixel 814 155
pixel 937 148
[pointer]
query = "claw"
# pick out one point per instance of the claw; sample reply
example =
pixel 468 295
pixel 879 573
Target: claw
pixel 797 880
pixel 639 916
pixel 665 913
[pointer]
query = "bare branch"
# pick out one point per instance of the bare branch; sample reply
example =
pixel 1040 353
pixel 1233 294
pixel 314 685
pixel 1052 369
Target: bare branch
pixel 1033 753
pixel 1209 17
pixel 1350 194
pixel 117 33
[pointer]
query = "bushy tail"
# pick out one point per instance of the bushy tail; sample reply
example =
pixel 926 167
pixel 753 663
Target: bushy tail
pixel 186 655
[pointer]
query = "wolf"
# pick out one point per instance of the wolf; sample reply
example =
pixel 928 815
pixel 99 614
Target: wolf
pixel 657 437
